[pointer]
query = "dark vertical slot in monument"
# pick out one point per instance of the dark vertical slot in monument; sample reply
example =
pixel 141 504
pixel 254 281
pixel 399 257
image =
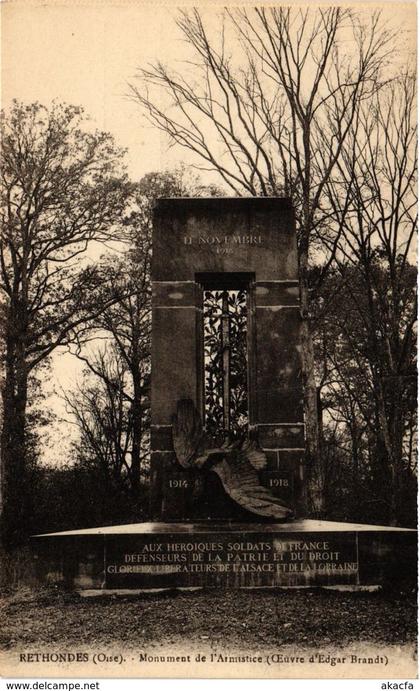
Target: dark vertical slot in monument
pixel 225 361
pixel 226 351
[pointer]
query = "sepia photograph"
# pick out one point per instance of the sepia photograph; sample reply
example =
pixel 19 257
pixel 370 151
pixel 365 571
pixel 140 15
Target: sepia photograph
pixel 208 276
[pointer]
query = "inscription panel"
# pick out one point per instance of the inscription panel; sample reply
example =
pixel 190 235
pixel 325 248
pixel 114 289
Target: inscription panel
pixel 224 235
pixel 243 559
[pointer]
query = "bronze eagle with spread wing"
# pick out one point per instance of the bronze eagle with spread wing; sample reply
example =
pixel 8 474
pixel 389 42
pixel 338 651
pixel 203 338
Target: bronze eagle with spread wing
pixel 236 463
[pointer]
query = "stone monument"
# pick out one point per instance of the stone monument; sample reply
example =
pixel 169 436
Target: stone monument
pixel 227 429
pixel 204 249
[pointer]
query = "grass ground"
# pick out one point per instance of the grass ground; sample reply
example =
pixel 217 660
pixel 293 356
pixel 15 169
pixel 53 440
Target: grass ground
pixel 234 618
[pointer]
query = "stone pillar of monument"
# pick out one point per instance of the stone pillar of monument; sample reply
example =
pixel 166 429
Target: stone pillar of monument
pixel 226 242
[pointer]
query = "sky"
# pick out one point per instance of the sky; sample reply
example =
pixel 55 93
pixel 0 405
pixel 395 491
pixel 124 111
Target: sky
pixel 86 55
pixel 85 52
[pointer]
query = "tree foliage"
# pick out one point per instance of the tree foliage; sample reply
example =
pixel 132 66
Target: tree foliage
pixel 373 198
pixel 362 398
pixel 61 188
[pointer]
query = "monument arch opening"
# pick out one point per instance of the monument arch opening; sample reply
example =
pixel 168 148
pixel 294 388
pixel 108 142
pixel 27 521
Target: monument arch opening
pixel 226 363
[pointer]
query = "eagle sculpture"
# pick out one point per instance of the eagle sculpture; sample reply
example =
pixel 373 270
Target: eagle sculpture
pixel 236 463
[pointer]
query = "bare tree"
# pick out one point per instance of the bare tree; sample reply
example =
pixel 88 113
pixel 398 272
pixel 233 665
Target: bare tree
pixel 126 328
pixel 61 188
pixel 102 408
pixel 373 198
pixel 276 122
pixel 125 371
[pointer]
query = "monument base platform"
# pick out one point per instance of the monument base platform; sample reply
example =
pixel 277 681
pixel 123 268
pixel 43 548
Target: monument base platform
pixel 150 556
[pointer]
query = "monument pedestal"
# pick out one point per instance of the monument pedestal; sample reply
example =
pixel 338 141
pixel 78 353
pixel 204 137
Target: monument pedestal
pixel 302 553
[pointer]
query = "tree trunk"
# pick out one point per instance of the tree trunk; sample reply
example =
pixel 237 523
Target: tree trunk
pixel 393 466
pixel 14 485
pixel 137 431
